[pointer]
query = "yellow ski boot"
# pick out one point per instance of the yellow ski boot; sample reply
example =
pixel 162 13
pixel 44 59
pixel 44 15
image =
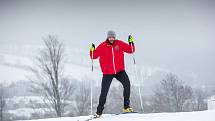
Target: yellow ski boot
pixel 96 115
pixel 127 110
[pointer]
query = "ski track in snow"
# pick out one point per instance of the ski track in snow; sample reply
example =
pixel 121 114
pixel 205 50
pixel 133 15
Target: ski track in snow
pixel 182 116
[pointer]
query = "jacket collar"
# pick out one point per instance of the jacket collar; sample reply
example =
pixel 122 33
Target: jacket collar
pixel 108 43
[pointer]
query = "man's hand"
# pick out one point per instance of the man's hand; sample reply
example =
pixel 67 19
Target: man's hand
pixel 92 47
pixel 130 39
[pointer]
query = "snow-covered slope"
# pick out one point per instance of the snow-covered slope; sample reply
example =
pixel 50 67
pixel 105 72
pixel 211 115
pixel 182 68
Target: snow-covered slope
pixel 15 68
pixel 183 116
pixel 20 67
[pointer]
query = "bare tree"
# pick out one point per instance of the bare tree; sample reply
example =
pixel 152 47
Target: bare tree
pixel 172 95
pixel 82 98
pixel 2 102
pixel 49 81
pixel 198 101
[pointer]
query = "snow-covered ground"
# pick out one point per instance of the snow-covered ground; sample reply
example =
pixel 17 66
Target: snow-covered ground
pixel 26 106
pixel 19 67
pixel 183 116
pixel 14 67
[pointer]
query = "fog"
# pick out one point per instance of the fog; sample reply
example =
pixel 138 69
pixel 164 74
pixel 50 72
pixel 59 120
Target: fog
pixel 177 34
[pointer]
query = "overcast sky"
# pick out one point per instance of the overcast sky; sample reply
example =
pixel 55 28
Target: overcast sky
pixel 178 35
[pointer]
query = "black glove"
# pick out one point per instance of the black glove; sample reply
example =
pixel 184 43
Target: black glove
pixel 92 47
pixel 130 39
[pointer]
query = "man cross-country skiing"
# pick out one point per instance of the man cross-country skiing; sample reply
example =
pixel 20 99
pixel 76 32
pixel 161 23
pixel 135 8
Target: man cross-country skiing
pixel 111 59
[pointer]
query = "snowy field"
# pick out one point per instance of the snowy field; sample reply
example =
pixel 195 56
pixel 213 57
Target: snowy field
pixel 19 67
pixel 183 116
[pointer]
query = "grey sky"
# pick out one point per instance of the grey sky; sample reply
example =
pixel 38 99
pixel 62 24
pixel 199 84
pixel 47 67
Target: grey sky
pixel 176 34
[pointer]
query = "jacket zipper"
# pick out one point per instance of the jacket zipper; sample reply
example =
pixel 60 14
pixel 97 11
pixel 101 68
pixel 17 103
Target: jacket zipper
pixel 113 62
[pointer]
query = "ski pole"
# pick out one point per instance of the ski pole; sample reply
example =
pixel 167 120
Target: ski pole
pixel 135 69
pixel 139 89
pixel 133 54
pixel 92 61
pixel 91 91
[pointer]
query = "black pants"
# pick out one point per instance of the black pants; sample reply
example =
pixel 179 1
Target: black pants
pixel 106 82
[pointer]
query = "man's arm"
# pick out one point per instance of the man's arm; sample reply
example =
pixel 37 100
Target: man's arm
pixel 128 48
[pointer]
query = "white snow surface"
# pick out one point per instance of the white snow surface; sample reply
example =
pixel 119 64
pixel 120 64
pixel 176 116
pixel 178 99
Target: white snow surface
pixel 182 116
pixel 18 66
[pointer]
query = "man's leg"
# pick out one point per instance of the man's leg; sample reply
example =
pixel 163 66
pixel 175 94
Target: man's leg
pixel 106 82
pixel 123 78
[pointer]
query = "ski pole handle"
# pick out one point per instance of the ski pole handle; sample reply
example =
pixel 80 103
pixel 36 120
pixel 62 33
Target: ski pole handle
pixel 92 61
pixel 92 49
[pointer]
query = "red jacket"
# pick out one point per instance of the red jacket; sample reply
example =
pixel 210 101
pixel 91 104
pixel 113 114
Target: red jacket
pixel 111 56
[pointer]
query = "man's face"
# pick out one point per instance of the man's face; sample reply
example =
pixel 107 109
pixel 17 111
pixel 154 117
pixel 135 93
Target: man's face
pixel 111 39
